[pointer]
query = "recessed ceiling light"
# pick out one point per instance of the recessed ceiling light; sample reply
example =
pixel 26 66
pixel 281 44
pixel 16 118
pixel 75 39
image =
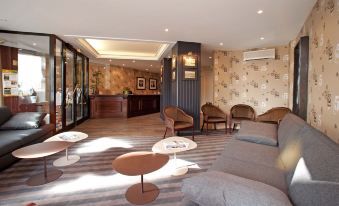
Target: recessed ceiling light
pixel 166 30
pixel 210 57
pixel 123 64
pixel 221 44
pixel 262 38
pixel 151 65
pixel 133 61
pixel 146 69
pixel 110 60
pixel 34 44
pixel 260 11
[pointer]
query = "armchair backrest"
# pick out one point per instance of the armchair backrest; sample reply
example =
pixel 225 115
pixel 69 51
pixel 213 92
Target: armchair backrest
pixel 274 114
pixel 242 111
pixel 175 113
pixel 212 110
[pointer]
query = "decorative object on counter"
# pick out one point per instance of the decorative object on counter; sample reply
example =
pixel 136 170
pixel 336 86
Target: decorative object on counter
pixel 152 84
pixel 96 81
pixel 126 90
pixel 141 83
pixel 190 61
pixel 33 95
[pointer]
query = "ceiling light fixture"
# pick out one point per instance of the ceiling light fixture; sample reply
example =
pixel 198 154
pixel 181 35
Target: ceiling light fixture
pixel 166 30
pixel 133 61
pixel 146 69
pixel 34 44
pixel 221 44
pixel 151 65
pixel 260 11
pixel 262 38
pixel 110 60
pixel 210 57
pixel 123 64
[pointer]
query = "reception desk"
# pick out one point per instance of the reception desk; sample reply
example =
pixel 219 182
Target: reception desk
pixel 110 106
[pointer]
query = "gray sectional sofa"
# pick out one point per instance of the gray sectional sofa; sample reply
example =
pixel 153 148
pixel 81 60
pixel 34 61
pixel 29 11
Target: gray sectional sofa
pixel 302 169
pixel 13 136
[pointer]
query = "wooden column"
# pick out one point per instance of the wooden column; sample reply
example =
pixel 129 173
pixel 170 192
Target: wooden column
pixel 185 93
pixel 165 85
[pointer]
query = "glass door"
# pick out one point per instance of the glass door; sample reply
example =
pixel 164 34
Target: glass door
pixel 69 86
pixel 79 90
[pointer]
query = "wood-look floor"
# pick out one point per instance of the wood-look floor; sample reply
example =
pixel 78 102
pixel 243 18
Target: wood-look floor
pixel 142 126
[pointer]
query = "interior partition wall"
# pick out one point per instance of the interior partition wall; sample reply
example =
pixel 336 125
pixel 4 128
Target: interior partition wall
pixel 45 74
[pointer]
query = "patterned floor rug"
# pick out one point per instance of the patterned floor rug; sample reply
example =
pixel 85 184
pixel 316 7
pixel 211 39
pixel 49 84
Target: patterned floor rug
pixel 92 181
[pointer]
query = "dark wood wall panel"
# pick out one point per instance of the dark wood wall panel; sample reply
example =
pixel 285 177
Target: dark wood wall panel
pixel 165 97
pixel 187 92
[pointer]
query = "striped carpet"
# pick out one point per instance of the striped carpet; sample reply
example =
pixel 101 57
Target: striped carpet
pixel 92 181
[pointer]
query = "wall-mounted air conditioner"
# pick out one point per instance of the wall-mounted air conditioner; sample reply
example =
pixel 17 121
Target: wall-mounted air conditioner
pixel 259 54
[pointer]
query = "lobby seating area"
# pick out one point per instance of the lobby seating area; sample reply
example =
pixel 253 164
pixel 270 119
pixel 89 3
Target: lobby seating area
pixel 183 103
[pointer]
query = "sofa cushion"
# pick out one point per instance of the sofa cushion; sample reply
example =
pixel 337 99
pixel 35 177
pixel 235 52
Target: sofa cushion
pixel 264 155
pixel 24 120
pixel 14 139
pixel 314 179
pixel 5 114
pixel 246 169
pixel 288 130
pixel 258 132
pixel 217 188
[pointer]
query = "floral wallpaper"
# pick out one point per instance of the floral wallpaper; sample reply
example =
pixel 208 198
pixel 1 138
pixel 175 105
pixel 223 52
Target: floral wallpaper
pixel 115 78
pixel 322 26
pixel 263 84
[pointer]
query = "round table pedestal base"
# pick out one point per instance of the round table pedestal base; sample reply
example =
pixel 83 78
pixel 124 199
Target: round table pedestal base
pixel 135 196
pixel 40 179
pixel 63 161
pixel 180 171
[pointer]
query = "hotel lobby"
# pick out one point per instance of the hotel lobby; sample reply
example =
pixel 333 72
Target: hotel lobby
pixel 188 103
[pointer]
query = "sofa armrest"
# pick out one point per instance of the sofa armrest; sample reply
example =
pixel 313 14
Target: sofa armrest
pixel 218 188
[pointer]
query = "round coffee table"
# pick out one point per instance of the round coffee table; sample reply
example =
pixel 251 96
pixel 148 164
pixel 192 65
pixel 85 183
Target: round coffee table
pixel 140 163
pixel 166 146
pixel 43 150
pixel 67 137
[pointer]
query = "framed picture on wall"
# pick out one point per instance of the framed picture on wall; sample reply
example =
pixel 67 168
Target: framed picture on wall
pixel 190 75
pixel 152 84
pixel 141 83
pixel 190 61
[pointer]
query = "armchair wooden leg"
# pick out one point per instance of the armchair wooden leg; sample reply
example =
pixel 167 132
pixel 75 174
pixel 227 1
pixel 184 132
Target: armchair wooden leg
pixel 165 133
pixel 215 126
pixel 193 133
pixel 234 124
pixel 202 128
pixel 207 128
pixel 225 127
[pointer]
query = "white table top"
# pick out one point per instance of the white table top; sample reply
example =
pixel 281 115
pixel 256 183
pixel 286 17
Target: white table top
pixel 159 147
pixel 71 136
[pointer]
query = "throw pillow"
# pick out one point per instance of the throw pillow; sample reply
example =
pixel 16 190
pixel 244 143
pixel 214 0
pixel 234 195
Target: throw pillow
pixel 24 120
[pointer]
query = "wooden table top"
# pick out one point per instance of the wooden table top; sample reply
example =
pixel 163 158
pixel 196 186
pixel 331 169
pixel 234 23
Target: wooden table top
pixel 139 163
pixel 160 147
pixel 41 149
pixel 71 136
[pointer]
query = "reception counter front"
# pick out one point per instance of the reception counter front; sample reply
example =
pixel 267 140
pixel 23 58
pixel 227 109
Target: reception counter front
pixel 109 106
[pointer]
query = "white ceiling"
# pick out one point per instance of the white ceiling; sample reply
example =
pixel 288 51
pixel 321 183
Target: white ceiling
pixel 235 23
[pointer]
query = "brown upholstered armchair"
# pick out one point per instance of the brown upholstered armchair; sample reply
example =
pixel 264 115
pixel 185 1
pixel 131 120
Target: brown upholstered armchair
pixel 213 114
pixel 273 115
pixel 241 112
pixel 176 120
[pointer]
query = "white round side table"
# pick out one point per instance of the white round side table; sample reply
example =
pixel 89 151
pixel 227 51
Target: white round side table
pixel 164 147
pixel 71 136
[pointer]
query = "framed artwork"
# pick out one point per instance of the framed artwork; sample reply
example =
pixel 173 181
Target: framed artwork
pixel 190 75
pixel 190 61
pixel 152 84
pixel 141 83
